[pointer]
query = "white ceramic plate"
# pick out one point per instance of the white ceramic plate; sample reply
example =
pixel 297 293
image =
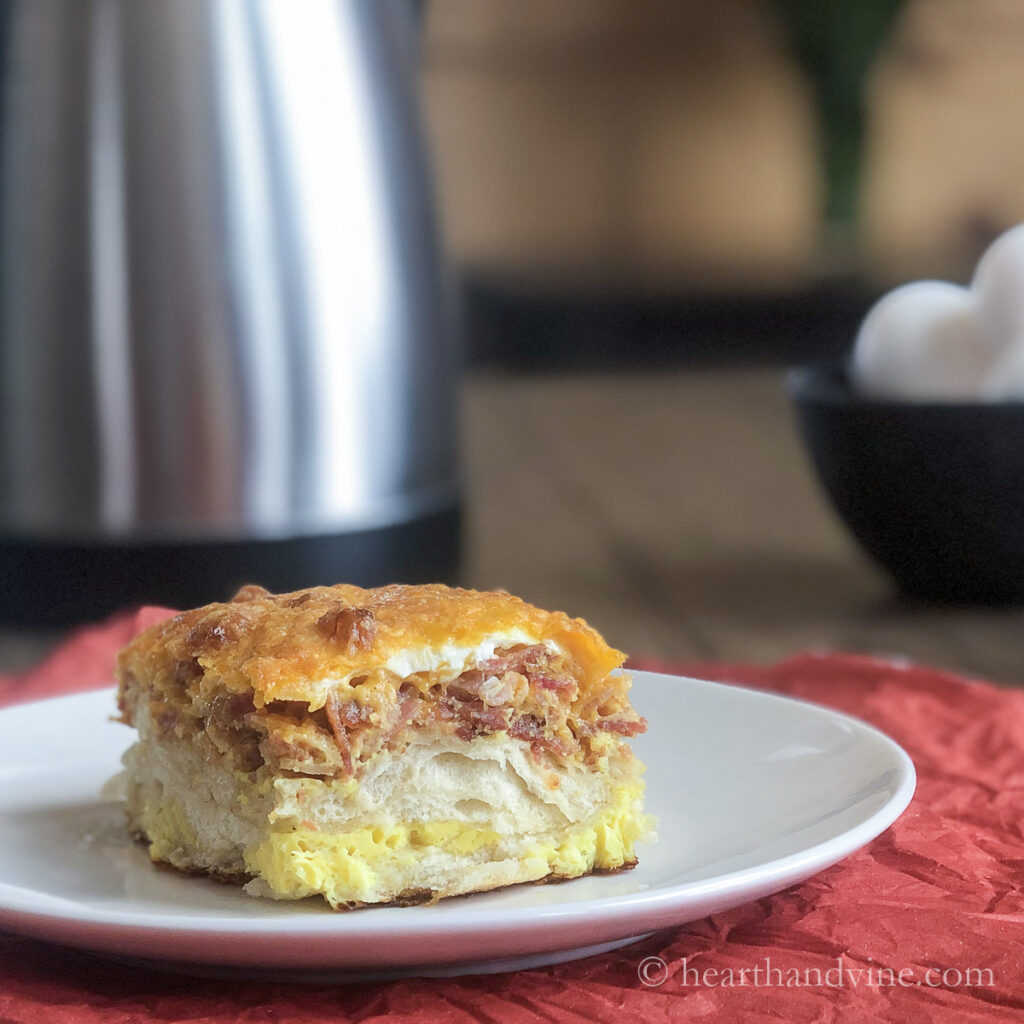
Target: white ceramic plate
pixel 753 793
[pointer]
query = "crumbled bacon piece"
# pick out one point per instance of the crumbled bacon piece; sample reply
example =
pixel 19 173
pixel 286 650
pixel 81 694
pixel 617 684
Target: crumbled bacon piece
pixel 504 689
pixel 472 715
pixel 622 726
pixel 525 727
pixel 227 726
pixel 558 684
pixel 519 659
pixel 212 634
pixel 186 672
pixel 294 745
pixel 344 716
pixel 351 628
pixel 404 714
pixel 231 707
pixel 532 730
pixel 495 690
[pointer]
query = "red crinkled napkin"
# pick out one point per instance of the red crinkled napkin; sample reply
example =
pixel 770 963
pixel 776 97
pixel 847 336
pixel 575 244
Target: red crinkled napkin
pixel 937 896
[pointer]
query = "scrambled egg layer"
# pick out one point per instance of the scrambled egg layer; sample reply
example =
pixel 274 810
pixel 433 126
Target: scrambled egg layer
pixel 358 865
pixel 169 831
pixel 350 867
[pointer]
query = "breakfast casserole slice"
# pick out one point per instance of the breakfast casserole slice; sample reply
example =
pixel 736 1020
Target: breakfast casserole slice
pixel 373 746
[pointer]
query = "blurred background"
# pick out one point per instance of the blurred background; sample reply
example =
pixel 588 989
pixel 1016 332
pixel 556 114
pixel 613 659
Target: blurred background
pixel 734 179
pixel 651 208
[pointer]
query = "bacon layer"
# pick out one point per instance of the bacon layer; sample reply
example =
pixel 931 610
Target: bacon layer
pixel 218 674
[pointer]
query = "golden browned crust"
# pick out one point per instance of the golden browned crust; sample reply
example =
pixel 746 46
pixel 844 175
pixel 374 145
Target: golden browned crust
pixel 275 646
pixel 318 681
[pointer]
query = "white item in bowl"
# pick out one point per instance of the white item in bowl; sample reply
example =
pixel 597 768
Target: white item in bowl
pixel 937 341
pixel 923 341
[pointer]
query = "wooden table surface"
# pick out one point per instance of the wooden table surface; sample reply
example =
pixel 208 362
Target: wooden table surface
pixel 677 513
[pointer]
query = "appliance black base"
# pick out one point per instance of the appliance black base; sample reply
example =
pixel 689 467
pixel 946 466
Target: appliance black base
pixel 46 583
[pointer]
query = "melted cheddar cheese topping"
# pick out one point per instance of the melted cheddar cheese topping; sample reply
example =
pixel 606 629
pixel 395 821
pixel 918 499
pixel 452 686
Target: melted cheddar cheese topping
pixel 303 645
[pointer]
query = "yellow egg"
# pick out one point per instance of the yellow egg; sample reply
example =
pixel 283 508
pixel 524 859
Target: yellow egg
pixel 343 867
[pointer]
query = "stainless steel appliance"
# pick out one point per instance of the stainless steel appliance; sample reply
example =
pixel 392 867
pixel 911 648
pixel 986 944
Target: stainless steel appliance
pixel 226 346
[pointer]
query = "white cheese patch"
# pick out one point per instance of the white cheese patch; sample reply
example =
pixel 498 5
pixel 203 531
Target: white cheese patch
pixel 447 661
pixel 455 656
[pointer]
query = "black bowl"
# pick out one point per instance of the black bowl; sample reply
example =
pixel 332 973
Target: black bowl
pixel 933 491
